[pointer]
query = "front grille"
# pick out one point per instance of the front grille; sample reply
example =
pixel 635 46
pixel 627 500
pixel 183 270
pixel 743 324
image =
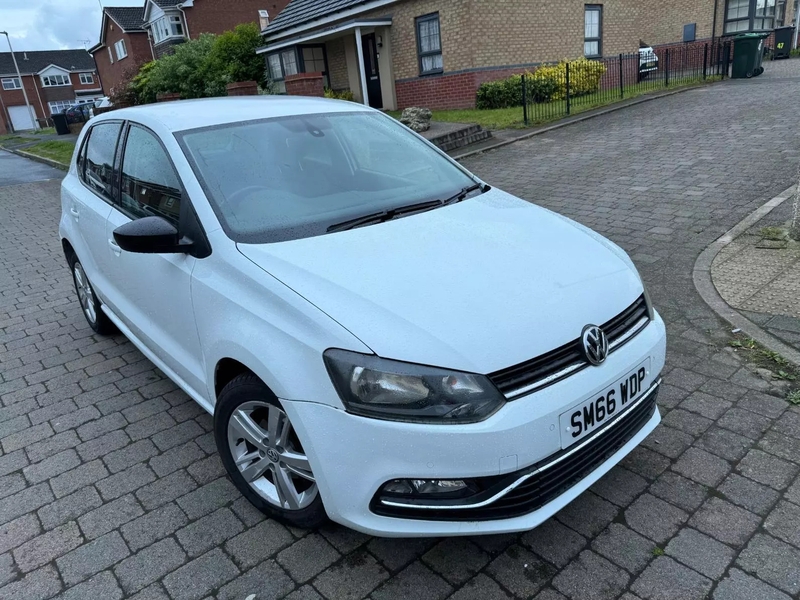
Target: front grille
pixel 543 487
pixel 554 366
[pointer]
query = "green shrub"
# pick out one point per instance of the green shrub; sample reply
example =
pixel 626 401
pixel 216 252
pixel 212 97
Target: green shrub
pixel 545 84
pixel 340 95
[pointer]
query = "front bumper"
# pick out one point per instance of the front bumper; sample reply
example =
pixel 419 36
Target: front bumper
pixel 352 457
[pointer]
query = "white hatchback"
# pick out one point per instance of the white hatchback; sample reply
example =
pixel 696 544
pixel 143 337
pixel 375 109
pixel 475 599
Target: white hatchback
pixel 381 337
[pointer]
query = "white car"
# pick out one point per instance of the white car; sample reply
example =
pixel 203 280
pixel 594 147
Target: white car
pixel 381 337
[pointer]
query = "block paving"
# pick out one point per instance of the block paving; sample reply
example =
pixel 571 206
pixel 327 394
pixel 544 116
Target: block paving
pixel 111 487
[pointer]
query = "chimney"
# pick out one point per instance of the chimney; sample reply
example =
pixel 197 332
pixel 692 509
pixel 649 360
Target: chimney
pixel 263 19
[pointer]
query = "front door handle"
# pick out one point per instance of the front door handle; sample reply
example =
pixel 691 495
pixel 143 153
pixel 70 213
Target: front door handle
pixel 115 247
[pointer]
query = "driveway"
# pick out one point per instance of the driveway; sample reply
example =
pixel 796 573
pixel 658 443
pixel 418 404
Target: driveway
pixel 111 484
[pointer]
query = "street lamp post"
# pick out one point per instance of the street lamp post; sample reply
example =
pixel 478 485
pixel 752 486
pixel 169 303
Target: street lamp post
pixel 21 83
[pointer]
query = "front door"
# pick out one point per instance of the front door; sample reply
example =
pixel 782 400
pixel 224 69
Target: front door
pixel 371 69
pixel 151 293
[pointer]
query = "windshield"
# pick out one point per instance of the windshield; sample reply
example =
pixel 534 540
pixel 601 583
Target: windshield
pixel 294 177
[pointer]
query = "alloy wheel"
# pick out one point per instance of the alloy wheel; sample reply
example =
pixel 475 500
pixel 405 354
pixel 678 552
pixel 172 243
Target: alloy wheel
pixel 85 293
pixel 269 456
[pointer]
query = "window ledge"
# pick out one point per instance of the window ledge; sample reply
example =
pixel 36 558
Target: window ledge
pixel 171 37
pixel 432 73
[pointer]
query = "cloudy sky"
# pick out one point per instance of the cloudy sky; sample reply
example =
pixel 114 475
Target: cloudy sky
pixel 53 24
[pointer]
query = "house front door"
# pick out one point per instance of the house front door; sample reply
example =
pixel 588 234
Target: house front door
pixel 370 49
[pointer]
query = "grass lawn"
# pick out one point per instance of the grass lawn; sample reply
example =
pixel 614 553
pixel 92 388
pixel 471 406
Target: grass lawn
pixel 512 118
pixel 54 150
pixel 45 131
pixel 11 139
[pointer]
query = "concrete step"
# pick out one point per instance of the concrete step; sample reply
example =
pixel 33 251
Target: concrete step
pixel 474 138
pixel 455 135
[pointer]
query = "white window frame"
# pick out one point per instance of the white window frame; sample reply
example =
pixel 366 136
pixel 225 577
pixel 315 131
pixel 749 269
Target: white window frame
pixel 50 80
pixel 166 27
pixel 110 55
pixel 120 49
pixel 59 105
pixel 11 83
pixel 86 78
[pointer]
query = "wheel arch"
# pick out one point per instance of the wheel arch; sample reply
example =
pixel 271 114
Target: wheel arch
pixel 68 249
pixel 237 361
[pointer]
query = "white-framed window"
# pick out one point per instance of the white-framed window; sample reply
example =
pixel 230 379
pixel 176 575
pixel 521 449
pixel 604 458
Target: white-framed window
pixel 55 80
pixel 86 78
pixel 11 83
pixel 110 55
pixel 120 49
pixel 167 27
pixel 59 105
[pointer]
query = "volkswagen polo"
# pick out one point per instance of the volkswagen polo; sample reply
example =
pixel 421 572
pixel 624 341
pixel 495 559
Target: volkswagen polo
pixel 382 338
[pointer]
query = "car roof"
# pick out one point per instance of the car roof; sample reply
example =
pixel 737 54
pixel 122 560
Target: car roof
pixel 180 115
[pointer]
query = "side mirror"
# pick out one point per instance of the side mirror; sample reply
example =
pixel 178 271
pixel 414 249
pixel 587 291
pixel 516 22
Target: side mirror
pixel 151 235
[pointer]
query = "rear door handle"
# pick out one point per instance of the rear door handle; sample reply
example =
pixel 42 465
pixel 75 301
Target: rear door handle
pixel 75 212
pixel 115 247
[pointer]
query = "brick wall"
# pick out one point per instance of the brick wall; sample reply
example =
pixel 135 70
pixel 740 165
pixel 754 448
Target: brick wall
pixel 75 78
pixel 337 65
pixel 218 16
pixel 480 44
pixel 15 98
pixel 305 84
pixel 139 52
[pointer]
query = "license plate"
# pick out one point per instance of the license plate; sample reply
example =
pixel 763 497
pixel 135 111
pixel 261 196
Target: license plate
pixel 585 418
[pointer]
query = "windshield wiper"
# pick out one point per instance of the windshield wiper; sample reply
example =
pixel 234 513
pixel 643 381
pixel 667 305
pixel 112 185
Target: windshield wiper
pixel 463 193
pixel 384 215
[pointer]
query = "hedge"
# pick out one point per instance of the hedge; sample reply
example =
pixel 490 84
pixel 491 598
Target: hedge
pixel 545 84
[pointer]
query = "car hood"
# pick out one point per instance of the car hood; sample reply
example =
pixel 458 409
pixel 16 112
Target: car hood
pixel 476 286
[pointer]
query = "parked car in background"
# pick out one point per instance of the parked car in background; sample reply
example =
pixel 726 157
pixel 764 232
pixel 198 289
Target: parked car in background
pixel 648 60
pixel 79 113
pixel 381 337
pixel 103 102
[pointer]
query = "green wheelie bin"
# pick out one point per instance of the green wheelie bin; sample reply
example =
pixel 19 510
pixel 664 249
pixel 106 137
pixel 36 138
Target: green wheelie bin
pixel 748 52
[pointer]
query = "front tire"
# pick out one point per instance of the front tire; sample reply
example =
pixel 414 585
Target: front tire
pixel 90 304
pixel 263 455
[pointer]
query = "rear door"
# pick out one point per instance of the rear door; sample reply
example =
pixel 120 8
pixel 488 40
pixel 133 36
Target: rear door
pixel 151 293
pixel 88 199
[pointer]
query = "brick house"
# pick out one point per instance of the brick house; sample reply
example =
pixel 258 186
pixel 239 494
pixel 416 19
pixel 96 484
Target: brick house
pixel 132 36
pixel 436 53
pixel 53 80
pixel 123 46
pixel 171 22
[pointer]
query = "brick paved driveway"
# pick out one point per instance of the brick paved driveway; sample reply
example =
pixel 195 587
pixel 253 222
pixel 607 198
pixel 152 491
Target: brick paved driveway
pixel 111 485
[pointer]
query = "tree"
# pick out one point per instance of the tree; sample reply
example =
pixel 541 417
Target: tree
pixel 203 67
pixel 186 71
pixel 233 56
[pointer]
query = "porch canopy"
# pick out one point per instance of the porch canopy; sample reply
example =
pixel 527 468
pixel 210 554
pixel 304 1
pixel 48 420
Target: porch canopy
pixel 318 36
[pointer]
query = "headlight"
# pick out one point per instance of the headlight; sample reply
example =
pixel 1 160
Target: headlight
pixel 398 391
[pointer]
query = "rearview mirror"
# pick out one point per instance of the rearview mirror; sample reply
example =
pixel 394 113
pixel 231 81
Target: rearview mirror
pixel 151 235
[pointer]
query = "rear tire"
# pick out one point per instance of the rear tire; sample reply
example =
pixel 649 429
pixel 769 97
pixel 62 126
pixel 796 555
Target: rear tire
pixel 91 306
pixel 263 455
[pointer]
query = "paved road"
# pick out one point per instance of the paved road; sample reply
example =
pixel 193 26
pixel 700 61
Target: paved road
pixel 15 170
pixel 111 485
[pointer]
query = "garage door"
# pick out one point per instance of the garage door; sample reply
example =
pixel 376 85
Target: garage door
pixel 20 118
